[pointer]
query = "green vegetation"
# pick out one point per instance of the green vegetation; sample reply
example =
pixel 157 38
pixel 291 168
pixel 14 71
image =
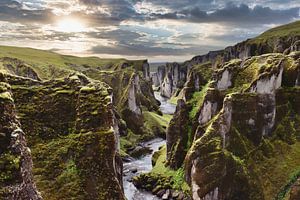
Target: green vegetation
pixel 197 100
pixel 154 120
pixel 288 30
pixel 175 176
pixel 9 168
pixel 205 71
pixel 48 65
pixel 174 98
pixel 155 126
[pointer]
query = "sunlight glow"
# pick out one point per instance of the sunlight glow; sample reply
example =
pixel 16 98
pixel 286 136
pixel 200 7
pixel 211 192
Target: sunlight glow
pixel 70 26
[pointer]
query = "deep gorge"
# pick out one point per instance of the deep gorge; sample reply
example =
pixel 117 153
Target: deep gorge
pixel 221 126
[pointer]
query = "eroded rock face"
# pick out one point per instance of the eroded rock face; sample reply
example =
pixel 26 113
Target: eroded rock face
pixel 225 81
pixel 154 79
pixel 19 68
pixel 246 49
pixel 268 82
pixel 134 89
pixel 72 128
pixel 16 180
pixel 219 164
pixel 208 110
pixel 174 79
pixel 177 136
pixel 146 70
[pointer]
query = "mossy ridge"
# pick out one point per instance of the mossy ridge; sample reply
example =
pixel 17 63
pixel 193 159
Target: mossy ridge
pixel 197 100
pixel 204 70
pixel 115 72
pixel 48 65
pixel 78 145
pixel 245 149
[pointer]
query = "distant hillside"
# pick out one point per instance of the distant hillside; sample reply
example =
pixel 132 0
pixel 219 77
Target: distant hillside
pixel 47 64
pixel 287 30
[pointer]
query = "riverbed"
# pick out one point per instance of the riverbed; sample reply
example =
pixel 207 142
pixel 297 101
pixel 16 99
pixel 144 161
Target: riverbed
pixel 144 164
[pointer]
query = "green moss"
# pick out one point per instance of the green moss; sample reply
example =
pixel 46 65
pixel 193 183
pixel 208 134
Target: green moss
pixel 276 170
pixel 289 30
pixel 129 141
pixel 176 177
pixel 9 168
pixel 153 119
pixel 63 166
pixel 205 70
pixel 6 96
pixel 197 101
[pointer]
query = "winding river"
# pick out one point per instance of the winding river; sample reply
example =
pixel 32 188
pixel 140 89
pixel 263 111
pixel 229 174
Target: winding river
pixel 144 164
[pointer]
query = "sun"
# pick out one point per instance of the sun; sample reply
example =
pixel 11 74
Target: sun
pixel 70 26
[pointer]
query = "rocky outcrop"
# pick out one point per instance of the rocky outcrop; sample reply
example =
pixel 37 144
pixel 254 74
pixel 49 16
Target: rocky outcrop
pixel 268 82
pixel 73 129
pixel 174 79
pixel 146 70
pixel 177 136
pixel 251 47
pixel 266 43
pixel 250 121
pixel 134 89
pixel 16 179
pixel 159 186
pixel 19 68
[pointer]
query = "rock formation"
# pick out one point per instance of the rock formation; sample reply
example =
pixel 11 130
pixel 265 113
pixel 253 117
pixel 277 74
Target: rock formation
pixel 249 120
pixel 71 127
pixel 16 179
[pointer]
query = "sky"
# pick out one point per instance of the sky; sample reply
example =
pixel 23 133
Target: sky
pixel 158 30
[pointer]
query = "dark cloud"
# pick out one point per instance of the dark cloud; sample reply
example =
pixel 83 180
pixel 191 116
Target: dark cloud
pixel 13 11
pixel 204 11
pixel 150 49
pixel 138 40
pixel 233 14
pixel 115 35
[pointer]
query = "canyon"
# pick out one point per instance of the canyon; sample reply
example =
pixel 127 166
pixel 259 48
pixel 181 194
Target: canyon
pixel 221 126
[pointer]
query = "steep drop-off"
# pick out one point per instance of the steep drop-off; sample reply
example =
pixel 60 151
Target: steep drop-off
pixel 235 133
pixel 73 135
pixel 16 179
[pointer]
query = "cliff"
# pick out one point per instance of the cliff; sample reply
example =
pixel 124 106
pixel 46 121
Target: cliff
pixel 73 135
pixel 236 128
pixel 133 96
pixel 16 179
pixel 283 39
pixel 244 127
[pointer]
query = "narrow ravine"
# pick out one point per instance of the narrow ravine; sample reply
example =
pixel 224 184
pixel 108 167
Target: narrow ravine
pixel 144 164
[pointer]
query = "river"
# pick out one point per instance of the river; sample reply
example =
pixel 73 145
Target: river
pixel 144 164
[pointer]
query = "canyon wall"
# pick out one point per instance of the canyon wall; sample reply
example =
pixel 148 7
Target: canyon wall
pixel 73 134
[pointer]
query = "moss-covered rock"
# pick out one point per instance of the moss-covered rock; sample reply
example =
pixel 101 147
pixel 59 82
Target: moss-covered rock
pixel 73 144
pixel 16 179
pixel 239 148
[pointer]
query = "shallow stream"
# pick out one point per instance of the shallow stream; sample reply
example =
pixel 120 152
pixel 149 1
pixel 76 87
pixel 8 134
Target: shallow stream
pixel 144 164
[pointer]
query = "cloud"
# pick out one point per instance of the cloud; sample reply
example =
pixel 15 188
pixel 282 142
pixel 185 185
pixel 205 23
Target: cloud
pixel 14 11
pixel 143 27
pixel 233 14
pixel 150 49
